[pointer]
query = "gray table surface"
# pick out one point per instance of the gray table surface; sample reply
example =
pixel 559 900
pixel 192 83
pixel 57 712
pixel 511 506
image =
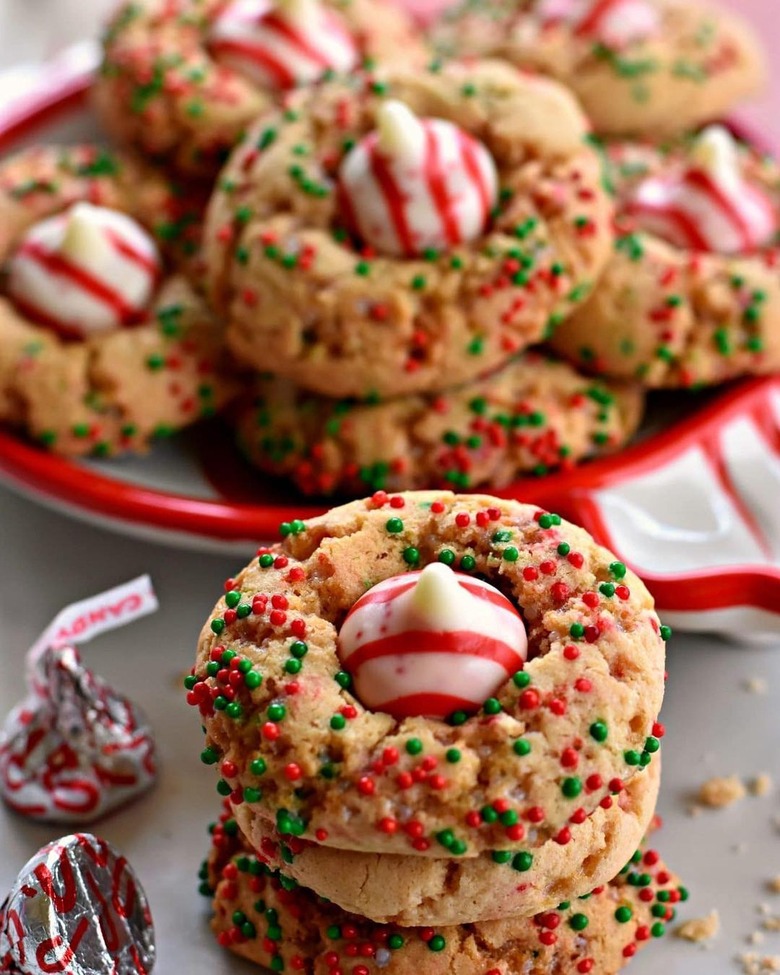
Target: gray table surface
pixel 715 725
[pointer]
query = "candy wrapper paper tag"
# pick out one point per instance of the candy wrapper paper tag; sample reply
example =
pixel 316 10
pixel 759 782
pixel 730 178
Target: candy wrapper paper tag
pixel 77 907
pixel 75 748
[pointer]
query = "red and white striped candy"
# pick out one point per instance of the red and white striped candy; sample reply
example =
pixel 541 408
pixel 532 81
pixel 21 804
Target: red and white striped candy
pixel 616 23
pixel 417 184
pixel 430 643
pixel 75 749
pixel 709 206
pixel 284 44
pixel 85 271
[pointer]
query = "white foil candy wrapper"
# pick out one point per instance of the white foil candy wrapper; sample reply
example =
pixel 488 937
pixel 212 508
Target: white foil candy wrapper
pixel 77 907
pixel 75 748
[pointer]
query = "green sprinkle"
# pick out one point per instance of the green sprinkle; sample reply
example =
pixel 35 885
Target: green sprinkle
pixel 578 922
pixel 571 787
pixel 414 746
pixel 521 679
pixel 511 554
pixel 437 943
pixel 447 556
pixel 623 915
pixel 338 722
pixel 453 756
pixel 411 555
pixel 521 747
pixel 522 861
pixel 394 526
pixel 599 731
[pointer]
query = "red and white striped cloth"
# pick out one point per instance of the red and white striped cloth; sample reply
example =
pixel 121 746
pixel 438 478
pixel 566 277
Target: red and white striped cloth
pixel 616 23
pixel 431 643
pixel 417 184
pixel 709 206
pixel 282 45
pixel 84 271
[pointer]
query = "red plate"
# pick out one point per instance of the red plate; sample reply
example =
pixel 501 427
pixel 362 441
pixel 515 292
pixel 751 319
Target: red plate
pixel 693 509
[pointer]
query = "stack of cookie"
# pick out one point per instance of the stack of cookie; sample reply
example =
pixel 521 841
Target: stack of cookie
pixel 435 721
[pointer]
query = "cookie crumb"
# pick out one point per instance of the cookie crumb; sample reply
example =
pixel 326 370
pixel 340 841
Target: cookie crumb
pixel 720 792
pixel 700 929
pixel 774 884
pixel 761 785
pixel 772 924
pixel 755 964
pixel 755 685
pixel 756 938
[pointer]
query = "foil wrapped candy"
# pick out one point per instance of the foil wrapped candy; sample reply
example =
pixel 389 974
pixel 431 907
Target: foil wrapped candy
pixel 75 749
pixel 78 907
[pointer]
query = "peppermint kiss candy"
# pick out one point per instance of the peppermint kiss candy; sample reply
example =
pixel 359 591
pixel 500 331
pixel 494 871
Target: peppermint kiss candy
pixel 84 271
pixel 283 44
pixel 77 907
pixel 432 642
pixel 709 206
pixel 75 749
pixel 616 23
pixel 417 184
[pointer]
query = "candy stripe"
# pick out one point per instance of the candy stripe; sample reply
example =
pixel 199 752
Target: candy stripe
pixel 436 179
pixel 592 22
pixel 277 24
pixel 672 223
pixel 62 268
pixel 146 262
pixel 474 165
pixel 411 705
pixel 278 72
pixel 392 195
pixel 467 643
pixel 730 210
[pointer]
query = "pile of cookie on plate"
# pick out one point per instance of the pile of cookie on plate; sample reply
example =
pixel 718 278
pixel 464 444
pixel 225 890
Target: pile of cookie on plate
pixel 393 258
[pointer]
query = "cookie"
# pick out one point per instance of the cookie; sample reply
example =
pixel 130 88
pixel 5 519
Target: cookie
pixel 115 392
pixel 267 918
pixel 691 296
pixel 181 80
pixel 304 298
pixel 640 67
pixel 533 416
pixel 510 754
pixel 413 891
pixel 101 349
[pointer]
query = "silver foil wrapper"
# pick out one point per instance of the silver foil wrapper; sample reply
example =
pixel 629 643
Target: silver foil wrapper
pixel 77 907
pixel 75 749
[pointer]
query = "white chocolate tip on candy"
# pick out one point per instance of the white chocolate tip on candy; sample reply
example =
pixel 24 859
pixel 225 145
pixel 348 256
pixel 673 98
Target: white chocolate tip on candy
pixel 297 10
pixel 436 597
pixel 715 151
pixel 83 239
pixel 400 132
